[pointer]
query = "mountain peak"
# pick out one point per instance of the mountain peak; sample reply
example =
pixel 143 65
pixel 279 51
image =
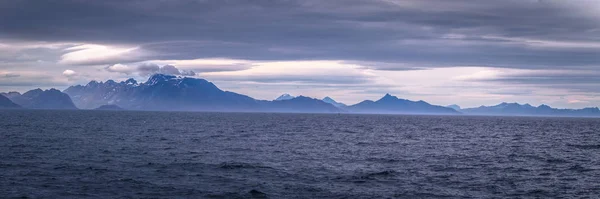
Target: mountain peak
pixel 544 106
pixel 34 92
pixel 93 83
pixel 285 96
pixel 156 78
pixel 392 104
pixel 388 97
pixel 454 106
pixel 329 100
pixel 130 81
pixel 45 99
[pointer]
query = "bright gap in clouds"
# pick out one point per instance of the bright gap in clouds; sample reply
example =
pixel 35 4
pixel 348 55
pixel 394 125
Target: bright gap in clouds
pixel 90 54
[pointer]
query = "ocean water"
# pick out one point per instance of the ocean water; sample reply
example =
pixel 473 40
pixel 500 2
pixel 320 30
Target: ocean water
pixel 104 154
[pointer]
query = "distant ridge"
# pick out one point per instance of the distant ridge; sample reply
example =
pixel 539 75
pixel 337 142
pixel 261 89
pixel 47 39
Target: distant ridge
pixel 6 103
pixel 301 104
pixel 333 102
pixel 175 93
pixel 389 104
pixel 528 110
pixel 42 99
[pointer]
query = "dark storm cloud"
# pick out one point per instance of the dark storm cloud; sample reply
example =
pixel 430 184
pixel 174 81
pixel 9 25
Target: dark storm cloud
pixel 430 33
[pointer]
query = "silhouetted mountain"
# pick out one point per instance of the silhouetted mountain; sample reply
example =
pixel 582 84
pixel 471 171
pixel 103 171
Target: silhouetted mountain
pixel 285 97
pixel 110 107
pixel 6 103
pixel 42 99
pixel 393 105
pixel 528 110
pixel 300 104
pixel 454 106
pixel 333 102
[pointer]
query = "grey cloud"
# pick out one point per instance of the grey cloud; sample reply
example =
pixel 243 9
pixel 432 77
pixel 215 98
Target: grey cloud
pixel 169 69
pixel 147 69
pixel 542 78
pixel 31 80
pixel 346 80
pixel 11 75
pixel 436 33
pixel 580 82
pixel 188 73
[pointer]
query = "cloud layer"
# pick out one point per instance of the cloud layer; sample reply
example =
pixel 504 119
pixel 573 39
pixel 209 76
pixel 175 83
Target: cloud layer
pixel 148 69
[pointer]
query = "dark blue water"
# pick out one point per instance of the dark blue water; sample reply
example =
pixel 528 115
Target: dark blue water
pixel 95 154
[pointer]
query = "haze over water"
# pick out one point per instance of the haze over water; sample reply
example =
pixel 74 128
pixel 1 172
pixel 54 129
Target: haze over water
pixel 101 154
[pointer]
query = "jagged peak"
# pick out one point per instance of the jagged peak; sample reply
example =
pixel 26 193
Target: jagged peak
pixel 509 104
pixel 33 92
pixel 53 90
pixel 303 97
pixel 93 82
pixel 156 78
pixel 387 97
pixel 130 81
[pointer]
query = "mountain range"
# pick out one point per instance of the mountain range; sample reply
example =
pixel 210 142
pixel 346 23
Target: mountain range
pixel 41 99
pixel 528 110
pixel 389 104
pixel 174 93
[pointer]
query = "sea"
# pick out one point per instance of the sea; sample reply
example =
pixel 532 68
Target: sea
pixel 127 154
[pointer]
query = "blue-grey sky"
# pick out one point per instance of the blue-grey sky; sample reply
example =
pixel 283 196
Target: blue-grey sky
pixel 467 52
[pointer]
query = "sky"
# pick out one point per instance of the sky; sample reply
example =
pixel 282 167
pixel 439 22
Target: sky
pixel 465 52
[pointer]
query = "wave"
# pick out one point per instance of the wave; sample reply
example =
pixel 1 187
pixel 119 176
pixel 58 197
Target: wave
pixel 240 165
pixel 584 146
